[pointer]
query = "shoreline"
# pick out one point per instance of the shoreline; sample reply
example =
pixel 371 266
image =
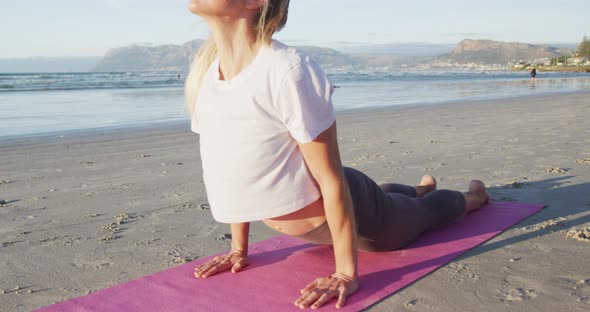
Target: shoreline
pixel 63 195
pixel 571 69
pixel 185 125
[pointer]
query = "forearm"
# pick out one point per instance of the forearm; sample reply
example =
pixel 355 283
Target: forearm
pixel 340 216
pixel 239 237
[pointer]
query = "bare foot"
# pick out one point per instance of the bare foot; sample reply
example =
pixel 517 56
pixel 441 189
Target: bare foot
pixel 426 185
pixel 476 195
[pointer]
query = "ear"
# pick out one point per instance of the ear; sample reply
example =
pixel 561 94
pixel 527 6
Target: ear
pixel 254 4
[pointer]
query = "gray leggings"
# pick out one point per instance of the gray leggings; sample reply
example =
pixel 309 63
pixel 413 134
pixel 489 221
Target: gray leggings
pixel 389 217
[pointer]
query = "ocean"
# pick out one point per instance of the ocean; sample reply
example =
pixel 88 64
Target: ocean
pixel 45 103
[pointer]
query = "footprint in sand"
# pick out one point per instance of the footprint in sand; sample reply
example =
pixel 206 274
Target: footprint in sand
pixel 170 196
pixel 223 236
pixel 556 170
pixel 578 288
pixel 558 222
pixel 518 289
pixel 181 254
pixel 145 242
pixel 582 235
pixel 518 294
pixel 411 303
pixel 462 272
pixel 6 244
pixel 92 264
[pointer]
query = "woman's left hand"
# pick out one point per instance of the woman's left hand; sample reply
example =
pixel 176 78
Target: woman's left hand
pixel 324 289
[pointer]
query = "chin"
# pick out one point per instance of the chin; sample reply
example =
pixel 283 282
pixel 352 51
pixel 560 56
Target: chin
pixel 193 6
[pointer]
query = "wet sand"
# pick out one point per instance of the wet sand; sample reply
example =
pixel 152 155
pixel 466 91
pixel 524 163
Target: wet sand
pixel 82 212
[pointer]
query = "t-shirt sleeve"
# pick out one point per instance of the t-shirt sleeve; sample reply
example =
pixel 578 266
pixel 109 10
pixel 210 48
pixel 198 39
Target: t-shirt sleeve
pixel 304 101
pixel 195 125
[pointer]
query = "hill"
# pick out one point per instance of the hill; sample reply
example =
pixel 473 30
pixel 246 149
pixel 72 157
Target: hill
pixel 148 58
pixel 177 58
pixel 497 52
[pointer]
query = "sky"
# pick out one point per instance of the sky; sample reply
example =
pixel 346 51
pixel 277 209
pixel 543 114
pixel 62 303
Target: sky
pixel 90 27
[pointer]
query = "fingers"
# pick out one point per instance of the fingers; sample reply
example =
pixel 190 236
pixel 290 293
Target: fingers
pixel 217 264
pixel 200 270
pixel 341 300
pixel 307 299
pixel 325 298
pixel 316 298
pixel 208 270
pixel 220 264
pixel 317 293
pixel 322 290
pixel 309 287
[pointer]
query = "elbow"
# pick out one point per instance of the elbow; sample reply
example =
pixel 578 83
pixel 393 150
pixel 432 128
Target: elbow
pixel 332 184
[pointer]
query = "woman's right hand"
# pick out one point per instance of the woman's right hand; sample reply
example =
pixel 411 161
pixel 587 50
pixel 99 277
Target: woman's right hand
pixel 235 261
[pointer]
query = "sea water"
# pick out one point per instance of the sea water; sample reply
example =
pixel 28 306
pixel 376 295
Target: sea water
pixel 41 103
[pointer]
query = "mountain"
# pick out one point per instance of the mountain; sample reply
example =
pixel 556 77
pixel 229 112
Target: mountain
pixel 177 58
pixel 497 52
pixel 330 58
pixel 149 58
pixel 48 64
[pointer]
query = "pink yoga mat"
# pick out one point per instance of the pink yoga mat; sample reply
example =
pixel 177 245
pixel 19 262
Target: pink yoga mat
pixel 280 266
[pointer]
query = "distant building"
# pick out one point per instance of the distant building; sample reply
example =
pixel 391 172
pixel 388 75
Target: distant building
pixel 542 62
pixel 578 60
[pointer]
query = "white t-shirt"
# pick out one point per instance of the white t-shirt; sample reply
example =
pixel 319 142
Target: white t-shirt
pixel 249 127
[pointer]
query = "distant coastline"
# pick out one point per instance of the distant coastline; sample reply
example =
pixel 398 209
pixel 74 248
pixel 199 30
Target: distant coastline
pixel 478 55
pixel 574 69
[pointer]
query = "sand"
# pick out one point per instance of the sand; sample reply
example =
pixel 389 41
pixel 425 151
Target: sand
pixel 81 212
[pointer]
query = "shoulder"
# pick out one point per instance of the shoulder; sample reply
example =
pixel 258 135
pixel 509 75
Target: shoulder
pixel 285 60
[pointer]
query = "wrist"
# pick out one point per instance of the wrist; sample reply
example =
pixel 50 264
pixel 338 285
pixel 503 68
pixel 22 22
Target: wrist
pixel 347 269
pixel 238 251
pixel 345 277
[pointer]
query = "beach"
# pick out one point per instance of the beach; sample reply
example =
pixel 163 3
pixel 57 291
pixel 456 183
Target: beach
pixel 86 211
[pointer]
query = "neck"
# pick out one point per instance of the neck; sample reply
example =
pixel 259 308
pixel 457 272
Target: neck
pixel 237 46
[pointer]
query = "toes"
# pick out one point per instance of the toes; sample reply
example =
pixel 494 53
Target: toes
pixel 428 180
pixel 479 187
pixel 476 186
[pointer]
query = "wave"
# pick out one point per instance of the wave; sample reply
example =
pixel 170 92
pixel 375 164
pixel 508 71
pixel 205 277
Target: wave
pixel 29 82
pixel 87 81
pixel 96 87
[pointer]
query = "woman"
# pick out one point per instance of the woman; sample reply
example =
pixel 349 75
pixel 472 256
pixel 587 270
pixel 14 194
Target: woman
pixel 269 152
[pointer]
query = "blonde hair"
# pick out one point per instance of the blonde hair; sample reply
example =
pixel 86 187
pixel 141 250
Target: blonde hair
pixel 272 18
